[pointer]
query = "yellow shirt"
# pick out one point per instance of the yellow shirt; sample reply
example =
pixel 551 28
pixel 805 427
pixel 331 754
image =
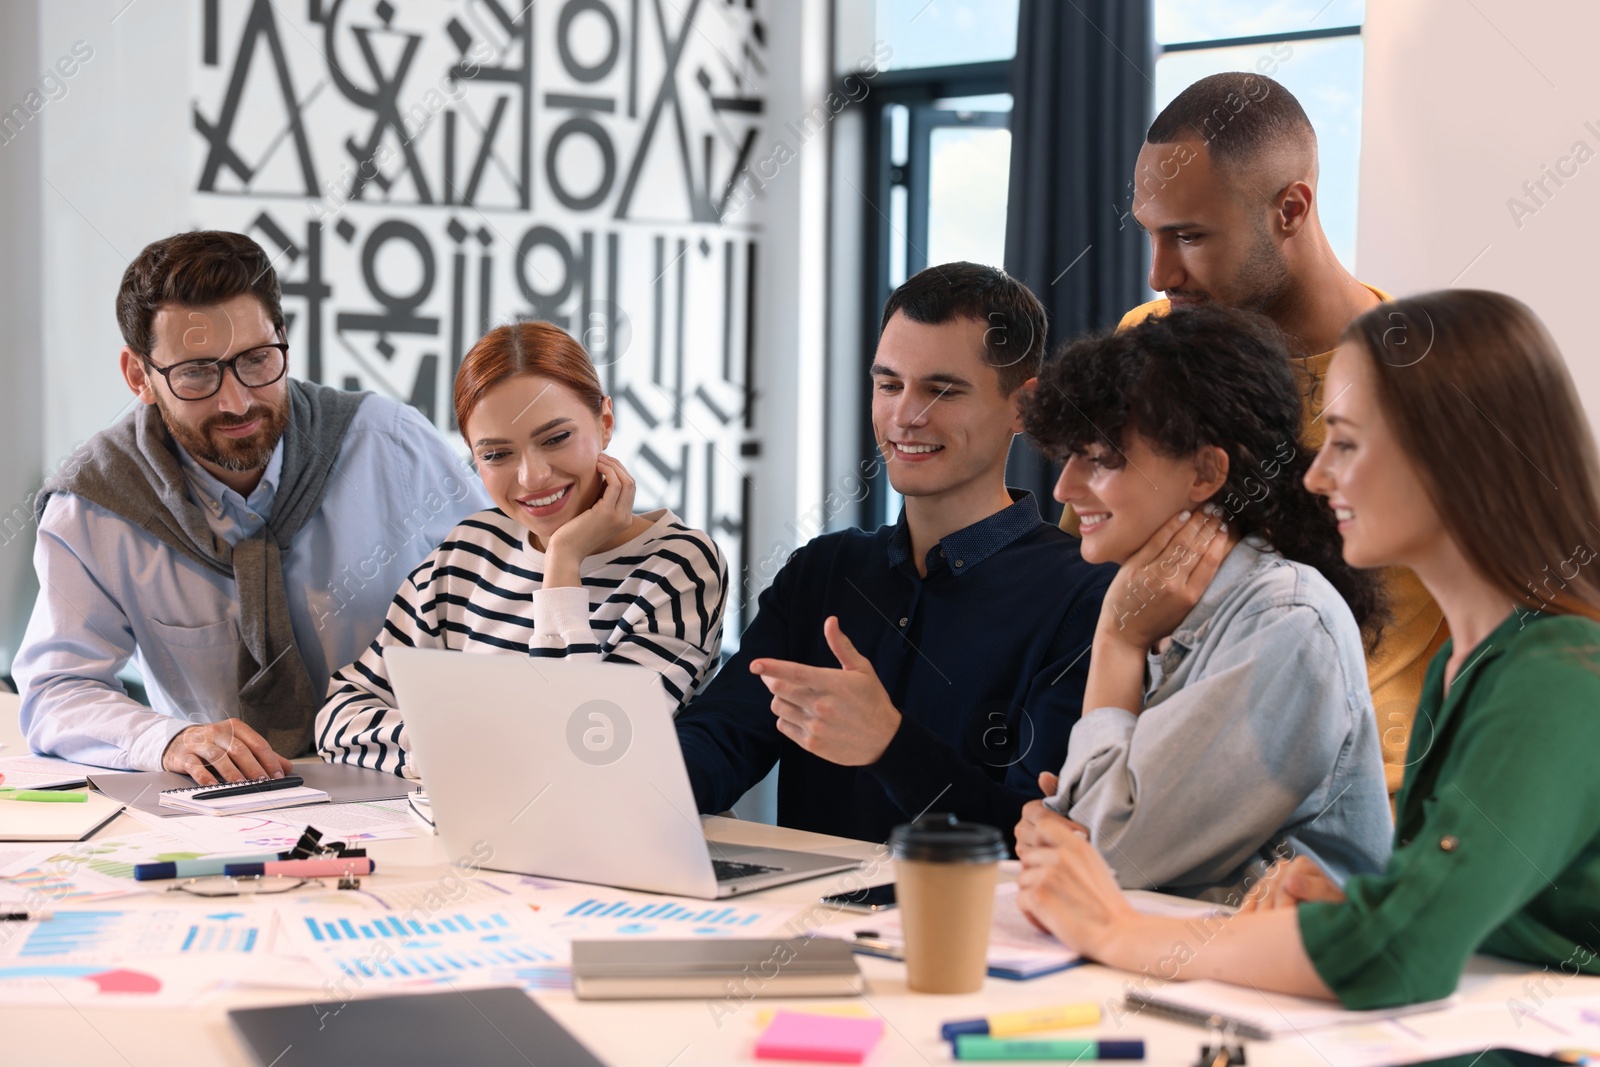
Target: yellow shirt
pixel 1395 672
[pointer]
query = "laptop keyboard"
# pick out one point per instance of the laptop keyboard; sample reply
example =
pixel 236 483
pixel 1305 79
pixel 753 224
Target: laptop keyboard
pixel 727 870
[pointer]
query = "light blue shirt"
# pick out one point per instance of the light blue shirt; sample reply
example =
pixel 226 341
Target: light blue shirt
pixel 1257 742
pixel 111 593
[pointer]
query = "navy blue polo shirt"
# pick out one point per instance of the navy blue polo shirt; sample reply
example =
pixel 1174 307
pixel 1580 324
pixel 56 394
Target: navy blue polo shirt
pixel 985 659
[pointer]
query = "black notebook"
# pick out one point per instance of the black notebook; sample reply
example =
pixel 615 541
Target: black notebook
pixel 500 1027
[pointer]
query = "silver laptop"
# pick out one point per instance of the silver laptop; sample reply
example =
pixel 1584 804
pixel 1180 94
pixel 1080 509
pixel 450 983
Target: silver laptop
pixel 572 771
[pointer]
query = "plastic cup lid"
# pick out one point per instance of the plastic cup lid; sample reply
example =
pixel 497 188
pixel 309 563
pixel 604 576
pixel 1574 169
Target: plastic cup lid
pixel 941 838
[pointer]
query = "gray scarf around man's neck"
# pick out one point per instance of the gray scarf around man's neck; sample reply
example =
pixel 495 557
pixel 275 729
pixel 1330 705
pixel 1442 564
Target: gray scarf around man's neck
pixel 132 469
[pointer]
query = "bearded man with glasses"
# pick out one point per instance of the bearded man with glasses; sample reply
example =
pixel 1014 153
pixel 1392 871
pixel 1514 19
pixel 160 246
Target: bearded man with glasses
pixel 236 536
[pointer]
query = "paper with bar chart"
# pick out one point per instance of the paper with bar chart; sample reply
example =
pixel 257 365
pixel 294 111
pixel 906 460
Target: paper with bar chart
pixel 527 940
pixel 469 945
pixel 603 914
pixel 160 955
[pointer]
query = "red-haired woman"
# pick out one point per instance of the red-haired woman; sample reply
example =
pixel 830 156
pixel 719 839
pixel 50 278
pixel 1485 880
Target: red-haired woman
pixel 560 567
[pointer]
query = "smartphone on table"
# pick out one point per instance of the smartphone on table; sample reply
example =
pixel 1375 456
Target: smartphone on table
pixel 873 898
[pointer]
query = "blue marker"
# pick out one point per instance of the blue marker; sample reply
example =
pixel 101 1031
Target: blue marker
pixel 196 868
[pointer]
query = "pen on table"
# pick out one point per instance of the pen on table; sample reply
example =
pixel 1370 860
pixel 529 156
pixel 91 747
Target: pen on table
pixel 318 868
pixel 1008 1024
pixel 869 943
pixel 25 916
pixel 43 796
pixel 983 1047
pixel 198 867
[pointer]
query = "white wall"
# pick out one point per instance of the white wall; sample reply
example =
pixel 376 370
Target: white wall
pixel 1463 104
pixel 84 185
pixel 21 390
pixel 115 176
pixel 791 286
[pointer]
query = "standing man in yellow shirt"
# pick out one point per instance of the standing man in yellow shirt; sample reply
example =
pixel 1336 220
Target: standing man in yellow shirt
pixel 1226 187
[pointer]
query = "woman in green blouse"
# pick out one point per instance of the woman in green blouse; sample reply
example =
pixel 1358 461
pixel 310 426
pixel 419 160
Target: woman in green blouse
pixel 1457 447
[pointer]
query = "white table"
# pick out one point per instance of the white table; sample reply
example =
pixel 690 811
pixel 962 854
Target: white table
pixel 689 1033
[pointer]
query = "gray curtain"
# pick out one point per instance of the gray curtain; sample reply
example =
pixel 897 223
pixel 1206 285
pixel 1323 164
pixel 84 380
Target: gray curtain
pixel 1081 85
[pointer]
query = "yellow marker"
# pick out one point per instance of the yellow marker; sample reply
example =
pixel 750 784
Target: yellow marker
pixel 1032 1021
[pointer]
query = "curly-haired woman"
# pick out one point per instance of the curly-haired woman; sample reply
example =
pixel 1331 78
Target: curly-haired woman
pixel 1227 720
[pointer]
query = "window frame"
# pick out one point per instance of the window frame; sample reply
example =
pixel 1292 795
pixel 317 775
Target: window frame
pixel 916 88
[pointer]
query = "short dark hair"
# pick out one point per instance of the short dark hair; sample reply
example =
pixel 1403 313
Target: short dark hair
pixel 195 269
pixel 1237 115
pixel 1013 344
pixel 1206 377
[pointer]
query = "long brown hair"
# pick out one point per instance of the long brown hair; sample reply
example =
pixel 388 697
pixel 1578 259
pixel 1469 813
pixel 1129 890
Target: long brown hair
pixel 1482 403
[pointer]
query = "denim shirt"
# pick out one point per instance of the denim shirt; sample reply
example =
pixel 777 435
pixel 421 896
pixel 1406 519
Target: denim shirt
pixel 1257 742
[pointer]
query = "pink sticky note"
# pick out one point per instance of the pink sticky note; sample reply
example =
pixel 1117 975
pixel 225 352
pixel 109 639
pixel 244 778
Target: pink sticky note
pixel 794 1035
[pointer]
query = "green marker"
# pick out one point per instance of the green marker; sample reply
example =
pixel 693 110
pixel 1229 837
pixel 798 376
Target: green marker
pixel 984 1047
pixel 44 796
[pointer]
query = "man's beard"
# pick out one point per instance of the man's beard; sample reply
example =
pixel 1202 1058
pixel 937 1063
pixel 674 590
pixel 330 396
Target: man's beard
pixel 1263 280
pixel 232 454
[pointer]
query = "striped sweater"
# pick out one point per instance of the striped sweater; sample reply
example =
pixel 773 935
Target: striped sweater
pixel 655 602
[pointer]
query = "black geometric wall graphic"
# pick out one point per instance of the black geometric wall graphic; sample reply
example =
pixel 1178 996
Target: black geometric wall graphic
pixel 421 171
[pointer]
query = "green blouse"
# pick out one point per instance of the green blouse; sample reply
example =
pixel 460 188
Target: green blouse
pixel 1497 844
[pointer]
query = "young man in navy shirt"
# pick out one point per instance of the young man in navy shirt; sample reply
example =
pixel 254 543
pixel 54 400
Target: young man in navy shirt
pixel 936 664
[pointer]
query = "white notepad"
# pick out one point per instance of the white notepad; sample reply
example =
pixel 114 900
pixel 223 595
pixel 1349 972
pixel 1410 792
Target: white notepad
pixel 199 801
pixel 24 820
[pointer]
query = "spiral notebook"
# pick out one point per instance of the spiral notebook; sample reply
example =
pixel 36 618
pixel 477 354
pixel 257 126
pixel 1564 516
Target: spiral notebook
pixel 223 800
pixel 1255 1014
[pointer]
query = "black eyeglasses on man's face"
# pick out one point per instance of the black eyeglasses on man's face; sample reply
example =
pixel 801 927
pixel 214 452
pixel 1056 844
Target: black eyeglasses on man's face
pixel 200 379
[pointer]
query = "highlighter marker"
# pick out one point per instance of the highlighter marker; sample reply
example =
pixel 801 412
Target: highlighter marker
pixel 983 1047
pixel 322 868
pixel 1011 1023
pixel 198 867
pixel 44 796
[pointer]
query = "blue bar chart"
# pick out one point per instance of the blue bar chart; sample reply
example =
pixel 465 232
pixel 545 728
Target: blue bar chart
pixel 387 926
pixel 486 945
pixel 664 912
pixel 112 934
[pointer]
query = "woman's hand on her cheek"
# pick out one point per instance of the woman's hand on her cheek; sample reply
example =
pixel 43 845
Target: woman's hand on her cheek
pixel 610 516
pixel 1162 582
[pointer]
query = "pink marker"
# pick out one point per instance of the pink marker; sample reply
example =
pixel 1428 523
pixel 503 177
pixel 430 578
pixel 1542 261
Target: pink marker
pixel 319 868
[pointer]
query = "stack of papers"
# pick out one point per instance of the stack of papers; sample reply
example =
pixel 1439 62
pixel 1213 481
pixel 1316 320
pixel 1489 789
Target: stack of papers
pixel 44 772
pixel 113 940
pixel 1017 948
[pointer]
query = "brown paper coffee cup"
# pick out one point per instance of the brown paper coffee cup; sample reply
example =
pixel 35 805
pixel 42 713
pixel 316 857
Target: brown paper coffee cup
pixel 945 877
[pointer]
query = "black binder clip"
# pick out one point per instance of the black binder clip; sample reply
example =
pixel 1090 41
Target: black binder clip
pixel 311 846
pixel 308 847
pixel 1224 1048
